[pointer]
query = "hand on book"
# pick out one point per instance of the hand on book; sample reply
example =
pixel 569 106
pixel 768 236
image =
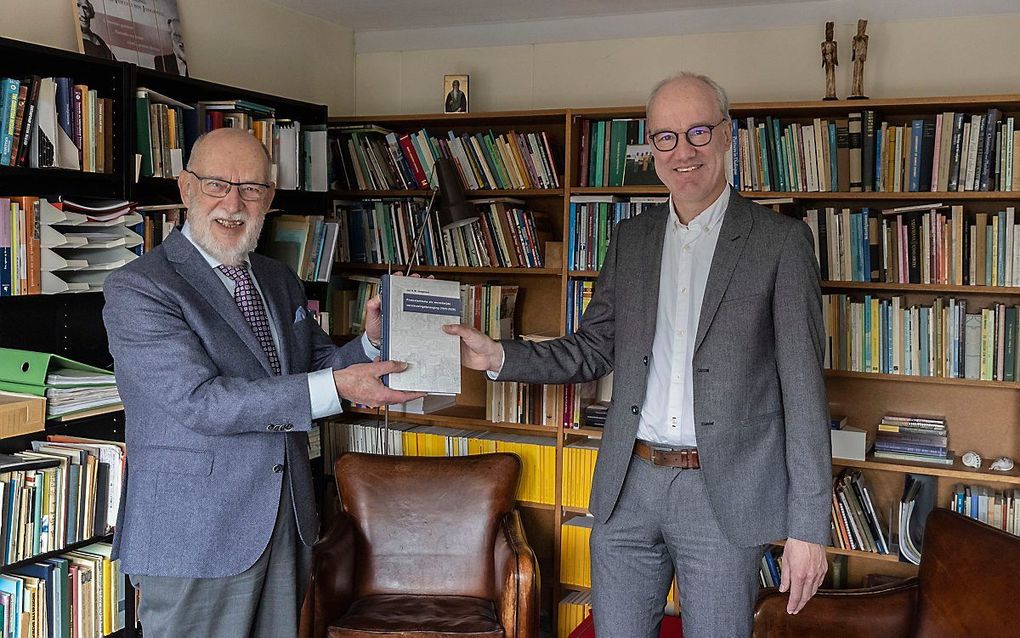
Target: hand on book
pixel 373 320
pixel 804 568
pixel 477 351
pixel 360 383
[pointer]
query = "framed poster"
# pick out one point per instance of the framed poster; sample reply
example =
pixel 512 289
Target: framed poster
pixel 455 88
pixel 142 32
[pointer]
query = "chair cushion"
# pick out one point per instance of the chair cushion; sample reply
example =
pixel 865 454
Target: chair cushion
pixel 397 615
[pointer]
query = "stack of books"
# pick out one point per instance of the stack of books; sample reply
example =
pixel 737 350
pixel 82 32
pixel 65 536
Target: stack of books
pixel 913 438
pixel 595 414
pixel 855 522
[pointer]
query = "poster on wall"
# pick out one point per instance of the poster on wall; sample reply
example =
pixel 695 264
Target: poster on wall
pixel 142 32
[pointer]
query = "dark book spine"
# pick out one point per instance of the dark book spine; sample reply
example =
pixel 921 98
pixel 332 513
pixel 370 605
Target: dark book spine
pixel 914 247
pixel 954 158
pixel 868 152
pixel 991 123
pixel 823 245
pixel 927 154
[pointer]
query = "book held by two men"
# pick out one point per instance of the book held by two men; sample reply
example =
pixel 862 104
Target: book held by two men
pixel 414 311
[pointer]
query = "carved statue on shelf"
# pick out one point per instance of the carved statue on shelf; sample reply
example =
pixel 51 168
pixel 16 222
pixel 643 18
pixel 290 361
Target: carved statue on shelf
pixel 829 62
pixel 859 55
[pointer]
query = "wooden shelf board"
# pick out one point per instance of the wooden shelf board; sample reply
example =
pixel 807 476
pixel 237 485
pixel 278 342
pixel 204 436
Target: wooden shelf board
pixel 460 270
pixel 433 119
pixel 471 194
pixel 463 417
pixel 591 433
pixel 886 558
pixel 921 288
pixel 906 378
pixel 580 511
pixel 57 552
pixel 85 414
pixel 957 471
pixel 536 506
pixel 823 196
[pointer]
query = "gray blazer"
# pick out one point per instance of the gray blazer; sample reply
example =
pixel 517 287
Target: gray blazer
pixel 206 421
pixel 760 410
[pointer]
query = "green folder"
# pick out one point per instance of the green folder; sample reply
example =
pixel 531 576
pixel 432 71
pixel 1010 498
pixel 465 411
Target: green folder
pixel 25 371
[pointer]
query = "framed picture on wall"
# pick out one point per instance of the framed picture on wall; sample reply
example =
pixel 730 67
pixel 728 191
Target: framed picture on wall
pixel 142 32
pixel 455 88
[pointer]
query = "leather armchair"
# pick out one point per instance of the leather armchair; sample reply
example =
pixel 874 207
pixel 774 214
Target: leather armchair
pixel 968 573
pixel 424 547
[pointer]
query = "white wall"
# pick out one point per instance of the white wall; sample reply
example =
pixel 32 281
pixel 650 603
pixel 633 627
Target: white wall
pixel 935 56
pixel 248 43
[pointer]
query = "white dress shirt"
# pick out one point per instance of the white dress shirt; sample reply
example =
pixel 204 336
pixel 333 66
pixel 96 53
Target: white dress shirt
pixel 321 387
pixel 667 414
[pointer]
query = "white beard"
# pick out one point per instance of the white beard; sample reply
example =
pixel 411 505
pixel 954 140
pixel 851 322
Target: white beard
pixel 228 255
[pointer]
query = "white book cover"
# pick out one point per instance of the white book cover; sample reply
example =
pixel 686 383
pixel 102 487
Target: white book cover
pixel 414 310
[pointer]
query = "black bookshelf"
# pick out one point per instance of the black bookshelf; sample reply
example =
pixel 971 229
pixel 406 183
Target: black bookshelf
pixel 71 324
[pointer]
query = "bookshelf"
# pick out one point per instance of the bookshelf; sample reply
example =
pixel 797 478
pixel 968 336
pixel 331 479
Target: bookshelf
pixel 980 413
pixel 71 325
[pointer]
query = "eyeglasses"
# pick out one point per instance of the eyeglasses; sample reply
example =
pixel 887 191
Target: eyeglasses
pixel 666 141
pixel 219 188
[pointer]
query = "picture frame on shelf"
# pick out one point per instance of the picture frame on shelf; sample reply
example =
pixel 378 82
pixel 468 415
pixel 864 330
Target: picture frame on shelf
pixel 455 90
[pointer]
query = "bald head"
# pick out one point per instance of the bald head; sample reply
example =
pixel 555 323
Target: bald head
pixel 233 150
pixel 687 81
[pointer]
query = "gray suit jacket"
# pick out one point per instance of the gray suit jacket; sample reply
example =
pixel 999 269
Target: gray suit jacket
pixel 760 410
pixel 206 420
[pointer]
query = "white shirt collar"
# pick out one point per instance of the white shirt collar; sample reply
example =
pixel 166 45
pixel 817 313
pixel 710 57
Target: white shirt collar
pixel 708 219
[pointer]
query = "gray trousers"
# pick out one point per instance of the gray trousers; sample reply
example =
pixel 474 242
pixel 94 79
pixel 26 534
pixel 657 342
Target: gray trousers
pixel 262 601
pixel 663 522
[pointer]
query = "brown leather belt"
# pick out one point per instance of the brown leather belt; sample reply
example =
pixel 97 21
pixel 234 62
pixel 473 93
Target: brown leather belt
pixel 684 459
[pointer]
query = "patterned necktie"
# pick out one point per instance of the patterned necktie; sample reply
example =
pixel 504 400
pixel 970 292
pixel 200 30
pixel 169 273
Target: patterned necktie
pixel 250 303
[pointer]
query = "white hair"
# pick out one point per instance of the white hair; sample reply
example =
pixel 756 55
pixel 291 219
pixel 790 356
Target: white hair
pixel 721 99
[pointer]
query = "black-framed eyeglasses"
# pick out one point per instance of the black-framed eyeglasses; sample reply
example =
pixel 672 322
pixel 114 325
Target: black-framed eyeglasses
pixel 219 188
pixel 700 135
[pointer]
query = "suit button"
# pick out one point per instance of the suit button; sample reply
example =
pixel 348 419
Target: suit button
pixel 645 360
pixel 635 410
pixel 278 468
pixel 289 427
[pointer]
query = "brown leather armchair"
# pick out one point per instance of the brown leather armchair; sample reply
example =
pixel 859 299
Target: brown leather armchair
pixel 424 547
pixel 967 576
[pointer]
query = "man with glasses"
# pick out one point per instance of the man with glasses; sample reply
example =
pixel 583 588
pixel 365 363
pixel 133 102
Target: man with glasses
pixel 708 312
pixel 222 370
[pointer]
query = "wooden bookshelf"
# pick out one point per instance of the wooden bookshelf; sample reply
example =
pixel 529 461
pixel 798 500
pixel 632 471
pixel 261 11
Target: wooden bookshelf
pixel 981 414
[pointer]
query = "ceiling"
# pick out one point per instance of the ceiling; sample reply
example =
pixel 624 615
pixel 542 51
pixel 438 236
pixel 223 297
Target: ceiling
pixel 370 15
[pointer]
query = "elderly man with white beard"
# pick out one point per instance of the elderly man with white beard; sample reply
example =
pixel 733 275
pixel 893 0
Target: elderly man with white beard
pixel 222 369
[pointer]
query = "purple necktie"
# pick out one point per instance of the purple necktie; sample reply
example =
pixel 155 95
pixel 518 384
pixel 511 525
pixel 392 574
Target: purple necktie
pixel 250 303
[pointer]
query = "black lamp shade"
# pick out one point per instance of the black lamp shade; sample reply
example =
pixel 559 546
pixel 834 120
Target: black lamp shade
pixel 454 209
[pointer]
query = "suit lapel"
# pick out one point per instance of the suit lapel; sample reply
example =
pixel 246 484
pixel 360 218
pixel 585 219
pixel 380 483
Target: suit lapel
pixel 649 252
pixel 732 237
pixel 276 306
pixel 190 264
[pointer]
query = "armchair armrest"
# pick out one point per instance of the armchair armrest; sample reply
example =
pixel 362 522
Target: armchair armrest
pixel 333 572
pixel 885 611
pixel 517 579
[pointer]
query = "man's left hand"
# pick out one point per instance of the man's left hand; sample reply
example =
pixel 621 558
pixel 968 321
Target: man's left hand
pixel 804 568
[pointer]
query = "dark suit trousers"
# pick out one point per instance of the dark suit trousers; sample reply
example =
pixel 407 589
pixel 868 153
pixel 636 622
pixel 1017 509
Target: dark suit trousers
pixel 263 601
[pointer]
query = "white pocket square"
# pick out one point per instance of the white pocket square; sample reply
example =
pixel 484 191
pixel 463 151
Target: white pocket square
pixel 300 314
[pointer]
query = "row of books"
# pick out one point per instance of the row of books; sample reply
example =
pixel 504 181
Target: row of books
pixel 369 157
pixel 925 244
pixel 579 293
pixel 615 153
pixel 71 494
pixel 537 454
pixel 947 152
pixel 770 573
pixel 306 243
pixel 504 235
pixel 54 122
pixel 80 594
pixel 167 128
pixel 571 611
pixel 489 307
pixel 51 248
pixel 579 460
pixel 915 439
pixel 855 523
pixel 948 339
pixel 591 224
pixel 514 402
pixel 998 508
pixel 575 555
